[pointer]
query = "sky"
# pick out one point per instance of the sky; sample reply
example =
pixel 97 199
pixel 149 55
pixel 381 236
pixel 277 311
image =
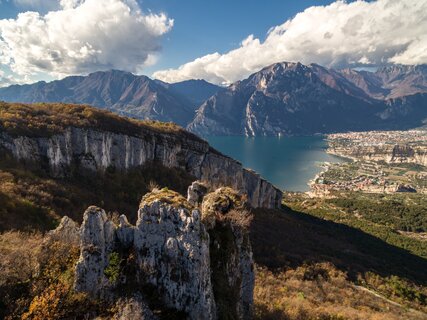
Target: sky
pixel 219 41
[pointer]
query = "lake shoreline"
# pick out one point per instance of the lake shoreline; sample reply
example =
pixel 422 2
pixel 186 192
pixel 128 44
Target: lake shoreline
pixel 290 163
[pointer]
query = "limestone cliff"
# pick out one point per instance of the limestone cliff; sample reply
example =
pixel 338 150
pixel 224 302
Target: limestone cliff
pixel 390 153
pixel 169 256
pixel 96 150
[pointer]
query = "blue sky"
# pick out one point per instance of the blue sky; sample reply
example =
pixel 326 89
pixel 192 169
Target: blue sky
pixel 219 25
pixel 220 41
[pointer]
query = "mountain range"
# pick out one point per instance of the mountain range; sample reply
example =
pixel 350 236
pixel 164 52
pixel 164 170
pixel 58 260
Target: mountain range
pixel 121 92
pixel 292 98
pixel 281 99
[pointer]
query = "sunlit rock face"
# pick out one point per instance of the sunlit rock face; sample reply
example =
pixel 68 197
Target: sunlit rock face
pixel 97 241
pixel 172 248
pixel 389 153
pixel 289 98
pixel 196 192
pixel 170 251
pixel 94 150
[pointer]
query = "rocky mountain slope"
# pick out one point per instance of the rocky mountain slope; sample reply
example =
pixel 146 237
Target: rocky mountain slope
pixel 167 266
pixel 284 98
pixel 174 252
pixel 60 137
pixel 121 92
pixel 390 81
pixel 291 98
pixel 187 255
pixel 185 258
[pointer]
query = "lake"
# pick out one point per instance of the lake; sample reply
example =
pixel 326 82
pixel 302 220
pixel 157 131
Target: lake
pixel 288 162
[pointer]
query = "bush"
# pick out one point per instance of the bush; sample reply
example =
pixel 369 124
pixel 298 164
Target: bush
pixel 112 271
pixel 18 257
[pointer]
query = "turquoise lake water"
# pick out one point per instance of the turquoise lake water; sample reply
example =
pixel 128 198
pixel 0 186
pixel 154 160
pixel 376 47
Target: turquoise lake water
pixel 288 162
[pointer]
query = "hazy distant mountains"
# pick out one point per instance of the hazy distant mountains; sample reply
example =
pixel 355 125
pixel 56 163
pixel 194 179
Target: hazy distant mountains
pixel 390 82
pixel 284 98
pixel 196 91
pixel 121 92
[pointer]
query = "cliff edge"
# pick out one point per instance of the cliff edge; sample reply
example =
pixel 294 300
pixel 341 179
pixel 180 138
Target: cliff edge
pixel 62 137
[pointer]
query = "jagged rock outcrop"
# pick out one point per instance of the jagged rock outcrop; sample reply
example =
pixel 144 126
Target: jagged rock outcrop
pixel 97 241
pixel 172 248
pixel 97 150
pixel 196 192
pixel 133 308
pixel 171 252
pixel 67 231
pixel 225 216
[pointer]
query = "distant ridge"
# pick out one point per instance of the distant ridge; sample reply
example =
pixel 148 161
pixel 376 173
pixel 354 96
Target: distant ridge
pixel 286 98
pixel 197 91
pixel 292 98
pixel 390 81
pixel 121 92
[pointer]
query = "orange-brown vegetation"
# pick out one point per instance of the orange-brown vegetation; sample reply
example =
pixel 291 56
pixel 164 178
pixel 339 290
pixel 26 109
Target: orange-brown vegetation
pixel 165 195
pixel 320 291
pixel 36 278
pixel 45 119
pixel 308 268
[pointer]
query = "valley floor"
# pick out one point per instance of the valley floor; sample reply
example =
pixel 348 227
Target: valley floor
pixel 355 245
pixel 378 162
pixel 313 263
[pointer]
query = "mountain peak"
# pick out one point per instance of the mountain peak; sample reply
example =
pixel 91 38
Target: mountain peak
pixel 111 71
pixel 284 66
pixel 293 98
pixel 400 68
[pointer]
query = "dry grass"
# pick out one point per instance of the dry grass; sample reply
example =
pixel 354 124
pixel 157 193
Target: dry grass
pixel 218 204
pixel 36 279
pixel 320 291
pixel 167 196
pixel 324 261
pixel 238 218
pixel 18 256
pixel 45 119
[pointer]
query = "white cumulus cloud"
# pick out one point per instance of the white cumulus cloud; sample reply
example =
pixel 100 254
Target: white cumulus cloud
pixel 82 36
pixel 340 34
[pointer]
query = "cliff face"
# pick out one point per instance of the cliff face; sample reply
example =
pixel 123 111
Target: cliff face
pixel 291 98
pixel 168 256
pixel 93 149
pixel 388 152
pixel 285 98
pixel 390 82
